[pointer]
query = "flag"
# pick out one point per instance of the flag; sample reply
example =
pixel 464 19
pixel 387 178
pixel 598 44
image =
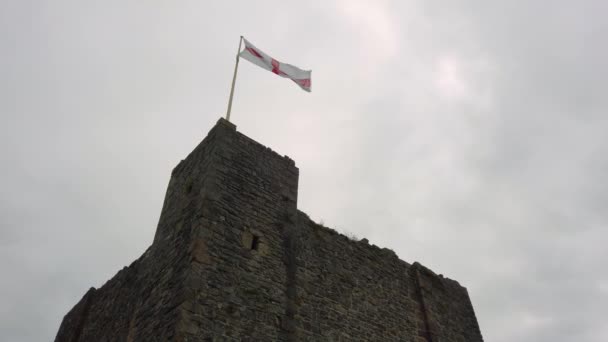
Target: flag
pixel 259 58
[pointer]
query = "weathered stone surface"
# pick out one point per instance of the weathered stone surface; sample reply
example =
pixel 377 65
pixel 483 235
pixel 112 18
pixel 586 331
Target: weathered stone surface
pixel 234 260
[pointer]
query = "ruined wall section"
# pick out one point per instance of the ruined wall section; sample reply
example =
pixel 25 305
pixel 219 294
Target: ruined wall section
pixel 352 291
pixel 138 304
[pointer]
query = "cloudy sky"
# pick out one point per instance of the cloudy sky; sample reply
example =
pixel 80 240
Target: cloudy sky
pixel 468 135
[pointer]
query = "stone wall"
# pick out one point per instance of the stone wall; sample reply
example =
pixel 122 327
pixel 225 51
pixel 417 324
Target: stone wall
pixel 143 302
pixel 353 291
pixel 73 322
pixel 238 275
pixel 234 260
pixel 447 308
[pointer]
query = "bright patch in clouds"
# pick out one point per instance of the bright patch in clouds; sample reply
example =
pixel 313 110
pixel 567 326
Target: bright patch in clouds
pixel 449 78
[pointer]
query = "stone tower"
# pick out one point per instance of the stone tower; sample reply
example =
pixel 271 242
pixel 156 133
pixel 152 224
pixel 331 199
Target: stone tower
pixel 234 260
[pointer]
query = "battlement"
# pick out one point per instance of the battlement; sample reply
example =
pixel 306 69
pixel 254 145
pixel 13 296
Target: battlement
pixel 234 259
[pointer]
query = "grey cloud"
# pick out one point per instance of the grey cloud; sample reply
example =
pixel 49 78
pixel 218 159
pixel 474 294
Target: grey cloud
pixel 467 135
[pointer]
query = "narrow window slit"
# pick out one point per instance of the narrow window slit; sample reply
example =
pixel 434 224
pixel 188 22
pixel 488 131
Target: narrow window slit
pixel 255 243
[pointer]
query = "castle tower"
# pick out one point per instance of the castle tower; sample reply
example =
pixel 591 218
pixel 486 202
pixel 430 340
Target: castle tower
pixel 233 259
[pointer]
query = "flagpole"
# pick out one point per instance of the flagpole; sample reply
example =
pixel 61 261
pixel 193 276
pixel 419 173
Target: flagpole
pixel 236 67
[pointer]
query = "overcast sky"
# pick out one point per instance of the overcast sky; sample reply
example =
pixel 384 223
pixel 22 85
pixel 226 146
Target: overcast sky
pixel 468 135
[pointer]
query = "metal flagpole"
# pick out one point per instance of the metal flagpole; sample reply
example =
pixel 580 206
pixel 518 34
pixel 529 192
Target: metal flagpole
pixel 236 67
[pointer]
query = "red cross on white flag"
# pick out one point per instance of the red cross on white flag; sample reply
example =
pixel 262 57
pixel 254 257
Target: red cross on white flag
pixel 259 58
